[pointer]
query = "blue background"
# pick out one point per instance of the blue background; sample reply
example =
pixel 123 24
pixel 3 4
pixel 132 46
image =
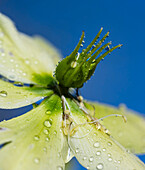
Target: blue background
pixel 120 77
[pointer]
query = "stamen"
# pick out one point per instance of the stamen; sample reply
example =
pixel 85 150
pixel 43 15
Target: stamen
pixel 76 137
pixel 83 109
pixel 80 98
pixel 116 115
pixel 65 103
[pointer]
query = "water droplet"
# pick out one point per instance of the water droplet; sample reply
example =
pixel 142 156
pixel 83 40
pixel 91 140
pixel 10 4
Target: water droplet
pixel 88 167
pixel 24 74
pixel 1 34
pixel 48 123
pixel 3 54
pixel 18 83
pixel 55 132
pixel 31 146
pixel 11 60
pixel 59 155
pixel 88 131
pixel 98 153
pixel 12 77
pixel 36 137
pixel 2 50
pixel 104 149
pixel 59 168
pixel 96 144
pixel 91 159
pixel 14 147
pixel 109 144
pixel 73 64
pixel 110 159
pixel 119 161
pixel 45 149
pixel 100 166
pixel 35 62
pixel 95 134
pixel 84 158
pixel 45 131
pixel 109 154
pixel 11 54
pixel 37 160
pixel 48 112
pixel 3 93
pixel 27 61
pixel 47 139
pixel 77 150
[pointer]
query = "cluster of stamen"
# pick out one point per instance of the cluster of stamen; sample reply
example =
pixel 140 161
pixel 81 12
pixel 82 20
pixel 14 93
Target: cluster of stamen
pixel 68 120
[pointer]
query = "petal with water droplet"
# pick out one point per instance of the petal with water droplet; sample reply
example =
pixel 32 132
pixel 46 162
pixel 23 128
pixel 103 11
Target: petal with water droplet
pixel 23 58
pixel 108 152
pixel 130 134
pixel 12 96
pixel 27 147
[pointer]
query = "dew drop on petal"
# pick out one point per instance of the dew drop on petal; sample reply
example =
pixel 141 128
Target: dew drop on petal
pixel 45 131
pixel 24 74
pixel 103 149
pixel 36 160
pixel 59 155
pixel 109 144
pixel 27 61
pixel 16 83
pixel 59 168
pixel 48 112
pixel 88 167
pixel 47 139
pixel 109 154
pixel 100 166
pixel 77 150
pixel 96 144
pixel 119 161
pixel 55 132
pixel 14 147
pixel 91 159
pixel 1 34
pixel 98 153
pixel 45 149
pixel 31 146
pixel 47 123
pixel 36 137
pixel 11 60
pixel 35 62
pixel 3 93
pixel 110 159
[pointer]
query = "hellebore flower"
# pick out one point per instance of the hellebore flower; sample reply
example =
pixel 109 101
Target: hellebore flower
pixel 63 125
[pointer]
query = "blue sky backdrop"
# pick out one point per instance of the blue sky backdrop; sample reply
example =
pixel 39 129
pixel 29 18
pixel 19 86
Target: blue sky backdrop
pixel 120 78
